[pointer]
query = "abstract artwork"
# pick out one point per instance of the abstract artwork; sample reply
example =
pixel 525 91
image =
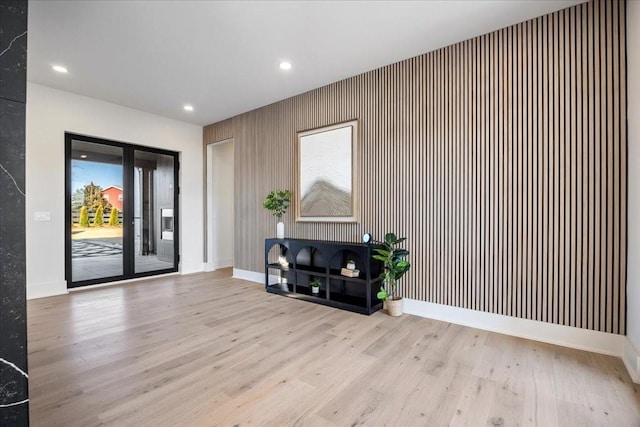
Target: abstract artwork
pixel 327 171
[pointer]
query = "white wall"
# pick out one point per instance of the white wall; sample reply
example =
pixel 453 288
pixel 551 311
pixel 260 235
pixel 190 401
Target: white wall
pixel 222 207
pixel 633 199
pixel 51 112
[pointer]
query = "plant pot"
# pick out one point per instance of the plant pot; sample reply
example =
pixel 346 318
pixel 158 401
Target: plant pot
pixel 351 266
pixel 280 230
pixel 394 307
pixel 315 290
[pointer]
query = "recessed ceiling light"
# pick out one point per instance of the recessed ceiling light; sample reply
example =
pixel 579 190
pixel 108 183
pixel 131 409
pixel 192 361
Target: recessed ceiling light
pixel 188 108
pixel 60 69
pixel 285 65
pixel 83 156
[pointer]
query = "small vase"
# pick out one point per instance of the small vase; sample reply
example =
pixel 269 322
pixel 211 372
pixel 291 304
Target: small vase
pixel 280 230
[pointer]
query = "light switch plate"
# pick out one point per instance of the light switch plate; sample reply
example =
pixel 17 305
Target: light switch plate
pixel 42 216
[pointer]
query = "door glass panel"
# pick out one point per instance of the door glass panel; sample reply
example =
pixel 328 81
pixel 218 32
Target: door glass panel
pixel 96 211
pixel 153 211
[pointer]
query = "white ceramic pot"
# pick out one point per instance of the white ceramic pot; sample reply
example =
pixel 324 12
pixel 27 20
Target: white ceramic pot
pixel 394 307
pixel 351 266
pixel 315 290
pixel 280 230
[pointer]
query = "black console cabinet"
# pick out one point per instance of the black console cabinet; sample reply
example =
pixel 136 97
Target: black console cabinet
pixel 296 262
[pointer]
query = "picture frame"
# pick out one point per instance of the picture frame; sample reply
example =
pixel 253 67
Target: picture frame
pixel 328 182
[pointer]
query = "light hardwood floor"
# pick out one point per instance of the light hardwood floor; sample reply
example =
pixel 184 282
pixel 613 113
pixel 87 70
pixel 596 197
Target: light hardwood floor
pixel 206 349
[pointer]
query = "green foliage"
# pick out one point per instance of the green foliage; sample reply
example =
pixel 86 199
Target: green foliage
pixel 113 217
pixel 315 283
pixel 395 264
pixel 77 199
pixel 84 217
pixel 93 197
pixel 277 202
pixel 98 220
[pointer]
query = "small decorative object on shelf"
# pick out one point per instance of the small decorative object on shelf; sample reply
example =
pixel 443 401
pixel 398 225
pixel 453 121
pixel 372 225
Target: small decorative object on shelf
pixel 347 272
pixel 277 202
pixel 282 260
pixel 367 238
pixel 351 264
pixel 315 286
pixel 395 266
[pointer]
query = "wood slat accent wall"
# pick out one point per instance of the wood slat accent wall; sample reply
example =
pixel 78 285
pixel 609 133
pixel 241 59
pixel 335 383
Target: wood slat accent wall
pixel 502 158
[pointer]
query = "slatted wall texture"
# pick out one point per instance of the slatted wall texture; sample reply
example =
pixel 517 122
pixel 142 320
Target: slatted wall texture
pixel 502 158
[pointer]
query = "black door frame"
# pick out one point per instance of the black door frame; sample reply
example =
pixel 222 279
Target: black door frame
pixel 128 242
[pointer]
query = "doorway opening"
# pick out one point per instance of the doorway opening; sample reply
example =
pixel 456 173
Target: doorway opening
pixel 220 205
pixel 121 211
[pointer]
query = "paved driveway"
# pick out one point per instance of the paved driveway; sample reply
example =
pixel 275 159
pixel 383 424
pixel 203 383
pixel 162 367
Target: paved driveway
pixel 95 247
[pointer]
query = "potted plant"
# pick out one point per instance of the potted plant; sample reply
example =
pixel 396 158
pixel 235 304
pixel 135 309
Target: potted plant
pixel 351 264
pixel 277 202
pixel 315 286
pixel 395 266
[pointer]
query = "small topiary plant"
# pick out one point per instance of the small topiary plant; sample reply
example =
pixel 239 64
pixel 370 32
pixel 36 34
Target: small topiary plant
pixel 84 217
pixel 113 217
pixel 98 220
pixel 277 202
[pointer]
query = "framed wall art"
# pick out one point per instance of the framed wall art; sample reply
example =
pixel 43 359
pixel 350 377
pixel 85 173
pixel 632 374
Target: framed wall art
pixel 328 184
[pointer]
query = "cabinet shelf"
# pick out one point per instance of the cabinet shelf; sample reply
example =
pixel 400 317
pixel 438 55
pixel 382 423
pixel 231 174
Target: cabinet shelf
pixel 276 266
pixel 311 269
pixel 323 260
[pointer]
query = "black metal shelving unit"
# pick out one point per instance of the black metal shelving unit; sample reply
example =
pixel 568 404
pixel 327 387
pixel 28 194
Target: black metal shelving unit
pixel 296 262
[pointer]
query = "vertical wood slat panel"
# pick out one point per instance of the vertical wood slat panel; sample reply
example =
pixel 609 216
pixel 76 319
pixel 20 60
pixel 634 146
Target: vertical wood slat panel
pixel 502 158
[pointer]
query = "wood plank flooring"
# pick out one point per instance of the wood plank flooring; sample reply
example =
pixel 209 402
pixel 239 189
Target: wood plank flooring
pixel 209 350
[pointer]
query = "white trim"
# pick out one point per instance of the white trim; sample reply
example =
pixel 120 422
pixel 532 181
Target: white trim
pixel 248 275
pixel 48 289
pixel 253 276
pixel 51 289
pixel 123 282
pixel 197 267
pixel 224 263
pixel 631 359
pixel 567 336
pixel 209 235
pixel 210 232
pixel 209 267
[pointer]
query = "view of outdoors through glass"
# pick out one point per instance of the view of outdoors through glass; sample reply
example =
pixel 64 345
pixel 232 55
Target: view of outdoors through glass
pixel 97 204
pixel 98 194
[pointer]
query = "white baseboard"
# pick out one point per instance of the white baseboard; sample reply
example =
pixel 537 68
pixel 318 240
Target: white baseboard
pixel 567 336
pixel 48 289
pixel 122 282
pixel 631 359
pixel 248 275
pixel 224 263
pixel 191 268
pixel 209 266
pixel 253 276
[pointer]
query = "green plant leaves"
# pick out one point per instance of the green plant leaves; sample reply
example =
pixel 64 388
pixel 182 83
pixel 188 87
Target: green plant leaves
pixel 278 202
pixel 395 264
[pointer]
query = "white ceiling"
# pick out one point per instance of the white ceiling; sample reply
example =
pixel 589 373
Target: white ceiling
pixel 222 57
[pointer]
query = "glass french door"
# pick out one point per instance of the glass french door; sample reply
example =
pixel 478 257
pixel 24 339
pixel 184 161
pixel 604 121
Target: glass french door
pixel 121 211
pixel 154 213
